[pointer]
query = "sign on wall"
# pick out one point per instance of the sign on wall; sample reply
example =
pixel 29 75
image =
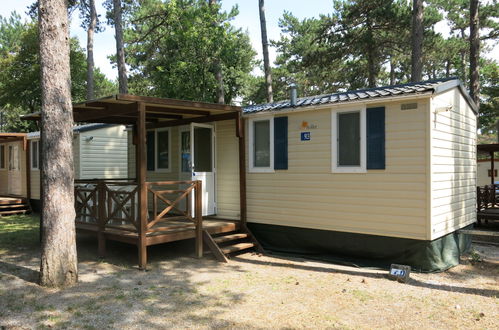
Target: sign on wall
pixel 305 136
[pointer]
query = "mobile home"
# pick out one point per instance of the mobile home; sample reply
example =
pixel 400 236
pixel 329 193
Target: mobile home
pixel 376 176
pixel 99 152
pixel 373 176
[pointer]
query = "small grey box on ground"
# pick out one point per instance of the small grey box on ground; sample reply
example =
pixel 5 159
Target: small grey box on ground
pixel 400 273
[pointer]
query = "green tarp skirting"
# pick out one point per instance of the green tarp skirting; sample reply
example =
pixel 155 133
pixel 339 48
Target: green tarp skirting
pixel 363 250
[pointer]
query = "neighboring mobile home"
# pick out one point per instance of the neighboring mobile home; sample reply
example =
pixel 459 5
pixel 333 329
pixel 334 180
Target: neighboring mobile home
pixel 99 152
pixel 14 190
pixel 375 176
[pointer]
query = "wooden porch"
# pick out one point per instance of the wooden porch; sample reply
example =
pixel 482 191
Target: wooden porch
pixel 488 196
pixel 141 212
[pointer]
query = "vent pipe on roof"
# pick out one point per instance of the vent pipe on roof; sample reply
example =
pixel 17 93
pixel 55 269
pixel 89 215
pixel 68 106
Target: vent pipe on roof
pixel 293 93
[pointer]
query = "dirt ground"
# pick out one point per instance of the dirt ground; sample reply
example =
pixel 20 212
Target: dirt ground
pixel 179 291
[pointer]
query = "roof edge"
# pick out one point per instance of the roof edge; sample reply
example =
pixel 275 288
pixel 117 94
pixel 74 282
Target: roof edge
pixel 448 85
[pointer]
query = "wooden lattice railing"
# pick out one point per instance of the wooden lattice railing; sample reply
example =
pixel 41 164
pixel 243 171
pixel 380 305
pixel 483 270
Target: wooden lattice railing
pixel 487 197
pixel 115 204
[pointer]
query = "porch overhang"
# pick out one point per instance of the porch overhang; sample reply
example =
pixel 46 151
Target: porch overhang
pixel 159 112
pixel 13 137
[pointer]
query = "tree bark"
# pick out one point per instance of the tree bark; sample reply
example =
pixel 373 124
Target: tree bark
pixel 265 50
pixel 120 48
pixel 90 50
pixel 474 52
pixel 463 58
pixel 417 41
pixel 217 68
pixel 392 71
pixel 58 267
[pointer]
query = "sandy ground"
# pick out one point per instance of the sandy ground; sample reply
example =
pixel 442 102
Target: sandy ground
pixel 179 291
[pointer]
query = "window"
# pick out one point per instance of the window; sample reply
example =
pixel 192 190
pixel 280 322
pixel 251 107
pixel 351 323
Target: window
pixel 2 157
pixel 35 155
pixel 163 150
pixel 349 141
pixel 358 140
pixel 261 145
pixel 268 141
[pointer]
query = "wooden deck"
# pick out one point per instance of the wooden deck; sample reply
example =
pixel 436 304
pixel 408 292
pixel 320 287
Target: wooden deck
pixel 171 230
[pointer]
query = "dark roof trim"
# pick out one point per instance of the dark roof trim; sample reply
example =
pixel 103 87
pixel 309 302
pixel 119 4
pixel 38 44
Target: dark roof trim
pixel 416 89
pixel 77 129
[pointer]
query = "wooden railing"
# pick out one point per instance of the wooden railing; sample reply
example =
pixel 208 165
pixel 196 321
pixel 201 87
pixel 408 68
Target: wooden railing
pixel 115 204
pixel 486 197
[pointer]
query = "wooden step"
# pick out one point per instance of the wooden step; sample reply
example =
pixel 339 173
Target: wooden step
pixel 13 212
pixel 236 247
pixel 13 206
pixel 4 201
pixel 229 238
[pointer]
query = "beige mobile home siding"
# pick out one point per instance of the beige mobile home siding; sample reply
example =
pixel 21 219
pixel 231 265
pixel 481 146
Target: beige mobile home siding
pixel 3 171
pixel 483 168
pixel 390 202
pixel 35 173
pixel 105 156
pixel 4 179
pixel 227 175
pixel 453 164
pixel 227 167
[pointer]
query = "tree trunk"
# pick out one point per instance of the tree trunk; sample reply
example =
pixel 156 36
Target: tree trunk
pixel 265 47
pixel 371 57
pixel 120 48
pixel 217 69
pixel 392 71
pixel 474 52
pixel 90 50
pixel 58 265
pixel 417 41
pixel 463 58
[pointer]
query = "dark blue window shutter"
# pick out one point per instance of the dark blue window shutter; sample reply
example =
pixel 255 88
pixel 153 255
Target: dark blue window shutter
pixel 151 149
pixel 281 143
pixel 375 118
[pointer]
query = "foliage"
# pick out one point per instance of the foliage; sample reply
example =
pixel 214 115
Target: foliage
pixel 172 46
pixel 20 86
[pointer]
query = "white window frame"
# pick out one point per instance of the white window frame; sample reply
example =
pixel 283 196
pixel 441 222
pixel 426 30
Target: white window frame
pixel 4 168
pixel 37 168
pixel 258 169
pixel 156 145
pixel 335 168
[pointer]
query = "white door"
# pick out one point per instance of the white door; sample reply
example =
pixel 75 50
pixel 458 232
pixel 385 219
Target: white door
pixel 203 163
pixel 14 175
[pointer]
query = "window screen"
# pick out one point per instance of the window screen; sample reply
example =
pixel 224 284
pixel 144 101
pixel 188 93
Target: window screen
pixel 261 151
pixel 349 139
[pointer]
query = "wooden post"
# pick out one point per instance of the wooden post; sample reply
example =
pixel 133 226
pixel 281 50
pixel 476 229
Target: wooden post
pixel 198 209
pixel 492 178
pixel 242 167
pixel 101 218
pixel 28 170
pixel 141 181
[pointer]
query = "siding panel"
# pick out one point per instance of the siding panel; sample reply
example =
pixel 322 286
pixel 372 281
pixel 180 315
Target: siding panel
pixel 389 202
pixel 453 165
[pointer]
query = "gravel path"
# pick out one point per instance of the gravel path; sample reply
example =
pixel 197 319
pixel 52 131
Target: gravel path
pixel 251 291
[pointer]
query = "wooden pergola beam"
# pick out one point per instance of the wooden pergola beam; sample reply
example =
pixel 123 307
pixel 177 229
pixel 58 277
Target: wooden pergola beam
pixel 150 109
pixel 186 121
pixel 82 114
pixel 179 104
